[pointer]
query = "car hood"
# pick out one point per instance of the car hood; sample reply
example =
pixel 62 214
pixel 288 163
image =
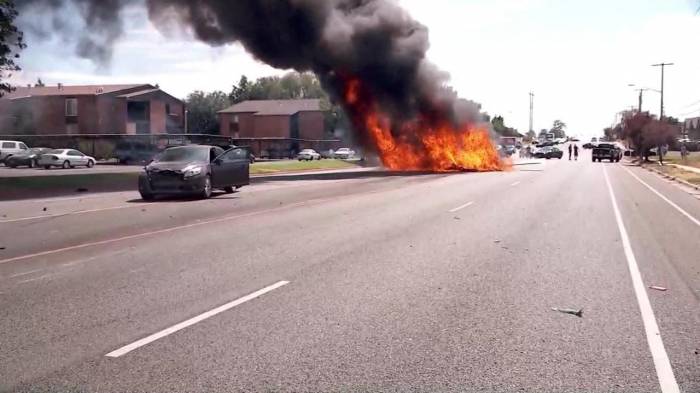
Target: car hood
pixel 172 166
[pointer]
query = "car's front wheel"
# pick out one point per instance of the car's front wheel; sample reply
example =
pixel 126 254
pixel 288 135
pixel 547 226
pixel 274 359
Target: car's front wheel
pixel 32 163
pixel 206 190
pixel 90 163
pixel 146 196
pixel 65 165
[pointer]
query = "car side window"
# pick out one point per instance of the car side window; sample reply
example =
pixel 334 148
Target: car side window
pixel 22 146
pixel 234 155
pixel 75 153
pixel 8 145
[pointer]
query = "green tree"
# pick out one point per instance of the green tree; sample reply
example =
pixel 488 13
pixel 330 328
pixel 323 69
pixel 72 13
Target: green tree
pixel 559 129
pixel 202 111
pixel 500 127
pixel 11 43
pixel 241 91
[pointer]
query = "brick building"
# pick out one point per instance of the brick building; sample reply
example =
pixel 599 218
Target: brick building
pixel 92 109
pixel 296 119
pixel 691 128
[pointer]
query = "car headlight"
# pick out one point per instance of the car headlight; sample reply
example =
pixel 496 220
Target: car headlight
pixel 191 170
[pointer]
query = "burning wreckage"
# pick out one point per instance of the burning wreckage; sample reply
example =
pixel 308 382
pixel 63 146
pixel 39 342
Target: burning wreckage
pixel 370 56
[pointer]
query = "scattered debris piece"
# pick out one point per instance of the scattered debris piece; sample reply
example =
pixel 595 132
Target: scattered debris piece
pixel 657 288
pixel 496 241
pixel 81 189
pixel 143 210
pixel 578 313
pixel 44 209
pixel 457 218
pixel 2 248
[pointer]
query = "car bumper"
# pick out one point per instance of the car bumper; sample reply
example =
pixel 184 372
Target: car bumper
pixel 170 184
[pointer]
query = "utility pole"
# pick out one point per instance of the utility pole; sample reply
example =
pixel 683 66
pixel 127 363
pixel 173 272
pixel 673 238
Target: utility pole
pixel 641 94
pixel 532 107
pixel 663 67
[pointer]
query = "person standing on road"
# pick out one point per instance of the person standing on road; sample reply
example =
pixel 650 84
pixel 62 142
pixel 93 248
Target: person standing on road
pixel 684 152
pixel 576 152
pixel 570 147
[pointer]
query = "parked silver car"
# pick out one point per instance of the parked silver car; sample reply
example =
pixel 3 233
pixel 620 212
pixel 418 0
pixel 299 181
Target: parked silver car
pixel 65 158
pixel 308 155
pixel 344 153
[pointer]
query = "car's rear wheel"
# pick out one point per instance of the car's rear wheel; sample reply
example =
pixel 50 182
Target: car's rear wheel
pixel 65 165
pixel 228 190
pixel 47 166
pixel 90 163
pixel 32 163
pixel 206 191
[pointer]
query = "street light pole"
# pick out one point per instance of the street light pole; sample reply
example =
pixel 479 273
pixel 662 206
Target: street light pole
pixel 663 67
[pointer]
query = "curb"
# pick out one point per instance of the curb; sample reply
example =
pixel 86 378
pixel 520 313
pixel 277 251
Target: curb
pixel 31 187
pixel 666 176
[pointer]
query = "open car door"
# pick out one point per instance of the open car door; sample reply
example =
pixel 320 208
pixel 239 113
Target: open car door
pixel 231 169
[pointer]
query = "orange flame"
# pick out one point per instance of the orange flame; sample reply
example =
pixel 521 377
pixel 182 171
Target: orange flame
pixel 433 147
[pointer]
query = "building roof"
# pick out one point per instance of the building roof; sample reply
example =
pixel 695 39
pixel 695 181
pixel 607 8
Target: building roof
pixel 81 90
pixel 138 93
pixel 274 107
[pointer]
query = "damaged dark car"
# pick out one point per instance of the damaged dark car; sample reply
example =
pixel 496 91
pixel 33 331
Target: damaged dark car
pixel 195 170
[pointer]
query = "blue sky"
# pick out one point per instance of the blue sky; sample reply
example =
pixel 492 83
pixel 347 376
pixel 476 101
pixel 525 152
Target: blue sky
pixel 577 56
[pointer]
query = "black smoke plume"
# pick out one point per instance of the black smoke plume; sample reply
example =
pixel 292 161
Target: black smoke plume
pixel 374 41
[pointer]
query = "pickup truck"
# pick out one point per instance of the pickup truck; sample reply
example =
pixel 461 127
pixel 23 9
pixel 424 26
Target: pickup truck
pixel 607 151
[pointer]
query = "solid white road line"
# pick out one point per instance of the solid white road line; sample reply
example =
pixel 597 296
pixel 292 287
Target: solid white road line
pixel 147 340
pixel 458 208
pixel 670 202
pixel 515 184
pixel 72 213
pixel 663 365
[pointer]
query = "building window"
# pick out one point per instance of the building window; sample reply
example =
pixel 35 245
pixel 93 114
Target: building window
pixel 235 118
pixel 71 107
pixel 167 109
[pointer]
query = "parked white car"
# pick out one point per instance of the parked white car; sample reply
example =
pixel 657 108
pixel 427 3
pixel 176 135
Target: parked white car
pixel 66 158
pixel 308 155
pixel 344 153
pixel 10 148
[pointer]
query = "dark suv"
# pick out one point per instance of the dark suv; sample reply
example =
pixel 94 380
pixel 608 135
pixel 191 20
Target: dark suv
pixel 195 170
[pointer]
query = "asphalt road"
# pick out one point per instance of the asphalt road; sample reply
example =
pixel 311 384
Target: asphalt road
pixel 363 283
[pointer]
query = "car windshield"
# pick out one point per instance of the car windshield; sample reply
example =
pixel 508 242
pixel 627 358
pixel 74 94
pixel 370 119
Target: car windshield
pixel 184 154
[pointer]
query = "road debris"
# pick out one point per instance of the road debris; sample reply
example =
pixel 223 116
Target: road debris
pixel 578 313
pixel 44 209
pixel 457 218
pixel 496 241
pixel 2 248
pixel 657 288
